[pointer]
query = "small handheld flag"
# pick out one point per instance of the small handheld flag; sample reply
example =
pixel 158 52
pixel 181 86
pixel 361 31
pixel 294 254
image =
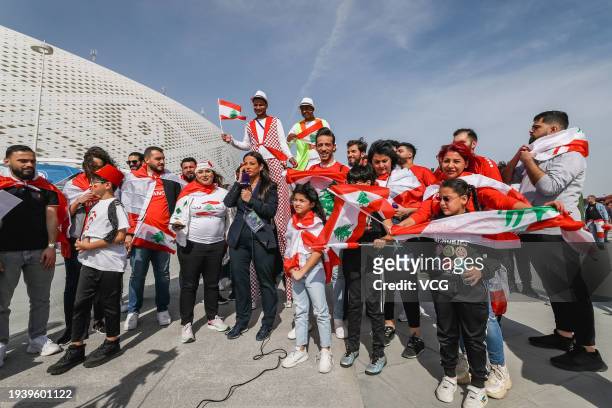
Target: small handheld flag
pixel 230 111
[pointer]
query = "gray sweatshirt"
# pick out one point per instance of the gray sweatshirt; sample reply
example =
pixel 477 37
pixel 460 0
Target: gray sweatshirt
pixel 563 181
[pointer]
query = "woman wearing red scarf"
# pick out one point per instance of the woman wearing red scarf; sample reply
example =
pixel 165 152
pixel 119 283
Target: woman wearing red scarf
pixel 199 220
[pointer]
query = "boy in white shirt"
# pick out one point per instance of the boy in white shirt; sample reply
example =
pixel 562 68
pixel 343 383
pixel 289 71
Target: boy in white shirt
pixel 104 257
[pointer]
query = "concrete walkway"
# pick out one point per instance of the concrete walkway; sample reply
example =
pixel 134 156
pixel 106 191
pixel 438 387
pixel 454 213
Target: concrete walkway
pixel 156 370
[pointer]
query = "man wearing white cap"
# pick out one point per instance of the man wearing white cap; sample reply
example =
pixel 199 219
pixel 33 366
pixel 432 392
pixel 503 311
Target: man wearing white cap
pixel 265 135
pixel 303 134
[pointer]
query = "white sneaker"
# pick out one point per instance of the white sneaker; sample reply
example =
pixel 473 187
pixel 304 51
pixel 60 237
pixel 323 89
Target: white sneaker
pixel 499 382
pixel 124 307
pixel 217 324
pixel 325 361
pixel 339 325
pixel 446 389
pixel 291 335
pixel 131 321
pixel 2 353
pixel 187 334
pixel 476 397
pixel 295 357
pixel 463 370
pixel 163 318
pixel 43 345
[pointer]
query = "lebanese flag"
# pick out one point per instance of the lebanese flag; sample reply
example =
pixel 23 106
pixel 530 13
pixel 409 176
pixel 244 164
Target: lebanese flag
pixel 320 180
pixel 300 238
pixel 480 181
pixel 352 205
pixel 600 227
pixel 136 193
pixel 405 188
pixel 496 228
pixel 63 214
pixel 569 140
pixel 230 111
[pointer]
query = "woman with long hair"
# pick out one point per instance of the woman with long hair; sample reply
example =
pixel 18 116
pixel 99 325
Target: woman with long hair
pixel 252 237
pixel 266 136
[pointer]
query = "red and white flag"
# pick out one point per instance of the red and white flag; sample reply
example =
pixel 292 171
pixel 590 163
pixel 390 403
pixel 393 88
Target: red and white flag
pixel 569 140
pixel 320 180
pixel 230 111
pixel 405 188
pixel 353 204
pixel 480 181
pixel 496 228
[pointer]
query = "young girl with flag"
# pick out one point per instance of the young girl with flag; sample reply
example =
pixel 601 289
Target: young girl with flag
pixel 309 276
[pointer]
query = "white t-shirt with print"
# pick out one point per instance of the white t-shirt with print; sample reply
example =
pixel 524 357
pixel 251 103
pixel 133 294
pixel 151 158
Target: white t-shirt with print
pixel 113 257
pixel 207 217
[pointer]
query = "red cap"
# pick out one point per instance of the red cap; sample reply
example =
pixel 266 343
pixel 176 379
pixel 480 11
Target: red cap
pixel 111 174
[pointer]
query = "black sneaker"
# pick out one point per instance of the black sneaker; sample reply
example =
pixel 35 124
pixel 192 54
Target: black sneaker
pixel 222 300
pixel 102 354
pixel 263 333
pixel 73 356
pixel 552 341
pixel 414 347
pixel 236 332
pixel 389 334
pixel 578 359
pixel 64 338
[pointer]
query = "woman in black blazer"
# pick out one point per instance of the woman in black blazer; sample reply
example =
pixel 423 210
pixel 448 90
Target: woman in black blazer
pixel 252 237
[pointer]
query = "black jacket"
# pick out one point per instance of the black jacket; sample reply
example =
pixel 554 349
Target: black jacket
pixel 266 209
pixel 172 189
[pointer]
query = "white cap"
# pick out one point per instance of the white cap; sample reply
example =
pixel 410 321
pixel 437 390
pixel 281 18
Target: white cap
pixel 307 102
pixel 261 95
pixel 205 165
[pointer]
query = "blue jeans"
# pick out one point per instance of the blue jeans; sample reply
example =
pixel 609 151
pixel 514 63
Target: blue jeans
pixel 311 288
pixel 139 260
pixel 338 285
pixel 494 340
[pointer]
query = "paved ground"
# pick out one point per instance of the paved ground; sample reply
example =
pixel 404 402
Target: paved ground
pixel 156 370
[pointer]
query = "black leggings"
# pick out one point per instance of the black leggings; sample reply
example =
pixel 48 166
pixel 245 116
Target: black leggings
pixel 105 286
pixel 198 260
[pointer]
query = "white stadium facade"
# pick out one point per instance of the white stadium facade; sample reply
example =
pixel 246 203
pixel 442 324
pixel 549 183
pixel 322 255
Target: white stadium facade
pixel 75 103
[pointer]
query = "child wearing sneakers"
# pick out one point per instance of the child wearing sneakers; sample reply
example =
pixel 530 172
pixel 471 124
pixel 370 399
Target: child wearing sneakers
pixel 103 258
pixel 308 276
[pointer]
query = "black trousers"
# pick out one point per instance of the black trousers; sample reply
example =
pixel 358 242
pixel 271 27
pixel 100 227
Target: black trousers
pixel 353 278
pixel 250 249
pixel 523 265
pixel 412 309
pixel 105 286
pixel 558 266
pixel 198 260
pixel 470 320
pixel 73 270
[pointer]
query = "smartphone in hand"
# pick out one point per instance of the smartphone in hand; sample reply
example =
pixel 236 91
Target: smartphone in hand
pixel 245 179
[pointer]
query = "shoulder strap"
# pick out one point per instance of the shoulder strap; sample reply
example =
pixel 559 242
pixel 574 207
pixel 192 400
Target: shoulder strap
pixel 114 222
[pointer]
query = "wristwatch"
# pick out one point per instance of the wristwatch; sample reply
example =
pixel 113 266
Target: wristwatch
pixel 51 245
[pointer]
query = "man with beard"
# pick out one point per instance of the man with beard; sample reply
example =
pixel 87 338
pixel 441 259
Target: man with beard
pixel 28 235
pixel 356 152
pixel 188 166
pixel 135 160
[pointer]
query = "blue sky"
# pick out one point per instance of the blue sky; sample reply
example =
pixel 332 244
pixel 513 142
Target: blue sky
pixel 409 70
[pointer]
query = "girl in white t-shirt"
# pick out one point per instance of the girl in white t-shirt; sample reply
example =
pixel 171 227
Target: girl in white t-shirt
pixel 199 221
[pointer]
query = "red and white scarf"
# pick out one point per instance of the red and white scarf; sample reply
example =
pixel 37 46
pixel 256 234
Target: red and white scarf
pixel 269 141
pixel 301 236
pixel 63 215
pixel 309 132
pixel 569 140
pixel 479 181
pixel 404 186
pixel 137 191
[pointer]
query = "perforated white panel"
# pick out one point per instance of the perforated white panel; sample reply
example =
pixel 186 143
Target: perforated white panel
pixel 84 104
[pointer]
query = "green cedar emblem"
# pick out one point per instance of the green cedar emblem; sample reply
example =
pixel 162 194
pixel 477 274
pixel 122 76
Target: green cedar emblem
pixel 509 214
pixel 233 114
pixel 209 207
pixel 327 201
pixel 343 232
pixel 313 137
pixel 178 210
pixel 158 237
pixel 363 199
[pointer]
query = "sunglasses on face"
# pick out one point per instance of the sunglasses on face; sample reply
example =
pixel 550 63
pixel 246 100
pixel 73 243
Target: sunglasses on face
pixel 448 199
pixel 131 162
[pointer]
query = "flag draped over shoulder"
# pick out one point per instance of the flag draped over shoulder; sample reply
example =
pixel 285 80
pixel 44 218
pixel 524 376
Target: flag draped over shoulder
pixel 480 181
pixel 496 228
pixel 63 214
pixel 569 140
pixel 405 188
pixel 136 193
pixel 353 203
pixel 230 111
pixel 320 180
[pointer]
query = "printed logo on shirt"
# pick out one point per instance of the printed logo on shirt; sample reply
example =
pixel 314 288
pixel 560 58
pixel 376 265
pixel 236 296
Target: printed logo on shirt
pixel 207 208
pixel 90 218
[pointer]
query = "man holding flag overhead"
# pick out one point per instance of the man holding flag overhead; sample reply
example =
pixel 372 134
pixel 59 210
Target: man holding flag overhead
pixel 304 133
pixel 553 167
